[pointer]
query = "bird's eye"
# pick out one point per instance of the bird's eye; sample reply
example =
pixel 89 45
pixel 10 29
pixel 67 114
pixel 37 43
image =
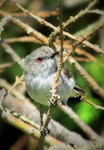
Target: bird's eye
pixel 39 59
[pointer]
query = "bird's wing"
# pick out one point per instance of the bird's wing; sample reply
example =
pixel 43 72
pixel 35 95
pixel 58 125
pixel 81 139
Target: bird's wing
pixel 77 91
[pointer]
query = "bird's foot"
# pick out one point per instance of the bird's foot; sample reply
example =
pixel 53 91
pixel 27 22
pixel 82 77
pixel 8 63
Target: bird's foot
pixel 54 99
pixel 44 132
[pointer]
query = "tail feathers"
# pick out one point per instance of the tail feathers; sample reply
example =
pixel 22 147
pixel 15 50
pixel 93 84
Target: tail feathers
pixel 77 91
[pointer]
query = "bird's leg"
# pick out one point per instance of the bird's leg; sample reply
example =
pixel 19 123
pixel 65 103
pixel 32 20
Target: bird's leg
pixel 41 115
pixel 43 131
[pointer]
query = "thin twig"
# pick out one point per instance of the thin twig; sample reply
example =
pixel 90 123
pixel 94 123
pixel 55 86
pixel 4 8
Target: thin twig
pixel 44 40
pixel 95 87
pixel 54 97
pixel 18 80
pixel 22 39
pixel 40 13
pixel 7 86
pixel 72 20
pixel 3 3
pixel 86 36
pixel 83 38
pixel 11 104
pixel 80 14
pixel 38 19
pixel 4 22
pixel 27 28
pixel 11 52
pixel 86 43
pixel 89 132
pixel 57 29
pixel 89 56
pixel 97 11
pixel 84 98
pixel 26 128
pixel 2 66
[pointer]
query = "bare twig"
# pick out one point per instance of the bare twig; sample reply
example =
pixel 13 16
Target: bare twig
pixel 89 132
pixel 43 14
pixel 83 38
pixel 7 86
pixel 89 56
pixel 19 80
pixel 27 28
pixel 72 20
pixel 96 48
pixel 44 40
pixel 22 39
pixel 12 53
pixel 29 114
pixel 4 22
pixel 97 11
pixel 86 36
pixel 54 97
pixel 3 3
pixel 2 66
pixel 38 19
pixel 57 29
pixel 80 14
pixel 96 88
pixel 26 128
pixel 56 81
pixel 83 98
pixel 13 106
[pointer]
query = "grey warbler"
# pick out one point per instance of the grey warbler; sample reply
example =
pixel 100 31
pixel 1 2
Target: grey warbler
pixel 40 68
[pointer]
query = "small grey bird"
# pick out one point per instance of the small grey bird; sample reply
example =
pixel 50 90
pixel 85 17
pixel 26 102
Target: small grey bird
pixel 40 68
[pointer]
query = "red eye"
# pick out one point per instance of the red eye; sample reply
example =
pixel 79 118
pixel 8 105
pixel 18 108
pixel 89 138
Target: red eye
pixel 39 59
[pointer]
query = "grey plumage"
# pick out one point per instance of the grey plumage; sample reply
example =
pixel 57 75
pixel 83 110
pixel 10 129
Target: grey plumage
pixel 40 68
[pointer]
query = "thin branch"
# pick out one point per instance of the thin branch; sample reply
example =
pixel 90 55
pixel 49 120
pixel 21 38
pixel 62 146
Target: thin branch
pixel 26 128
pixel 44 40
pixel 95 87
pixel 29 114
pixel 86 36
pixel 43 14
pixel 18 80
pixel 84 98
pixel 60 65
pixel 83 38
pixel 97 11
pixel 88 131
pixel 3 3
pixel 22 39
pixel 11 52
pixel 72 20
pixel 11 106
pixel 67 45
pixel 80 14
pixel 27 28
pixel 5 65
pixel 38 19
pixel 4 22
pixel 96 48
pixel 89 56
pixel 54 97
pixel 57 29
pixel 7 86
